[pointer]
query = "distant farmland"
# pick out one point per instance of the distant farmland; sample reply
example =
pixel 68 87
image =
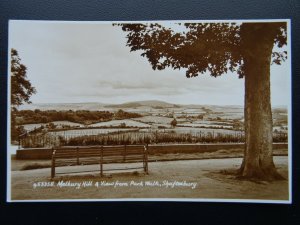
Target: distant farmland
pixel 144 123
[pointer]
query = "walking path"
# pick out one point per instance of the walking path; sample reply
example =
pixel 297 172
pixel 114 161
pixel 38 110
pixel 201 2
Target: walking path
pixel 184 179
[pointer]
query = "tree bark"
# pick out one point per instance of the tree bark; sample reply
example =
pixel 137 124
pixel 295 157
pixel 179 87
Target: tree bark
pixel 257 42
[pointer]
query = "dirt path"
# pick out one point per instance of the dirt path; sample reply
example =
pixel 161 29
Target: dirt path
pixel 187 179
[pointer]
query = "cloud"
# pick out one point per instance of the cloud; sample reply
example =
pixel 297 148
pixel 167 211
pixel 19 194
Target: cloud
pixel 80 62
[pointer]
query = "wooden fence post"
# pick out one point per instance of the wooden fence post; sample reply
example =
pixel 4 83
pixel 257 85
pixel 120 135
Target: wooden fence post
pixel 124 154
pixel 53 164
pixel 77 155
pixel 101 161
pixel 146 159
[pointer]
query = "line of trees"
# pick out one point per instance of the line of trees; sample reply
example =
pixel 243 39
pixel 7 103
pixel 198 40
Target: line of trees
pixel 78 116
pixel 136 137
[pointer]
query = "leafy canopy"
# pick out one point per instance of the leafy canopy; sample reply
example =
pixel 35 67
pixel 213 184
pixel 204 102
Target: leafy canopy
pixel 21 88
pixel 201 47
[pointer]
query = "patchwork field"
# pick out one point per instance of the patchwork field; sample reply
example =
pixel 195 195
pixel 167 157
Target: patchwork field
pixel 153 121
pixel 125 123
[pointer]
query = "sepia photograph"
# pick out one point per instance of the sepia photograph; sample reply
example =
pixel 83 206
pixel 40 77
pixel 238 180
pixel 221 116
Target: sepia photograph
pixel 149 111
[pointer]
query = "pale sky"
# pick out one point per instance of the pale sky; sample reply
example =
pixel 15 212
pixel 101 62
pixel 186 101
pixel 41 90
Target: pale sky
pixel 89 62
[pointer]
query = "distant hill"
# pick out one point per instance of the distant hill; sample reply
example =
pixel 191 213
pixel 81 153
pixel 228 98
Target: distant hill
pixel 149 103
pixel 92 106
pixel 155 104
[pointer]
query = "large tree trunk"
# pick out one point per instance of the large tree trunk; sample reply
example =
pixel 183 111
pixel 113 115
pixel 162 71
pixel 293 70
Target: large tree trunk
pixel 258 40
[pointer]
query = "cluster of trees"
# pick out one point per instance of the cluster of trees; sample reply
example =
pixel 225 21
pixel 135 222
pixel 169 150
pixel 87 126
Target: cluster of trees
pixel 238 125
pixel 185 116
pixel 78 116
pixel 173 122
pixel 121 114
pixel 21 91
